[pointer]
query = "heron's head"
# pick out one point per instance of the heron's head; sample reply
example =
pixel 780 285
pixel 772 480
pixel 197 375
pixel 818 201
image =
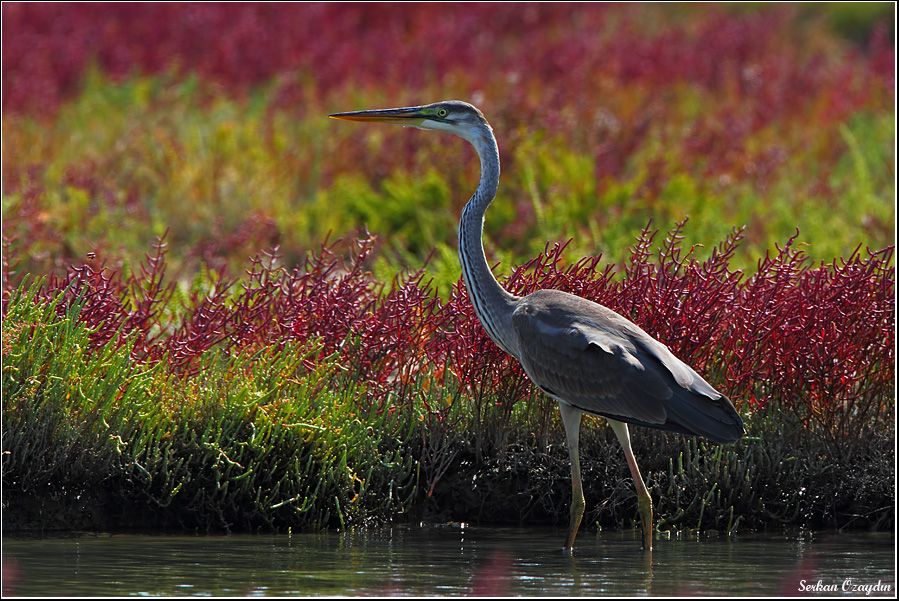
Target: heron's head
pixel 453 116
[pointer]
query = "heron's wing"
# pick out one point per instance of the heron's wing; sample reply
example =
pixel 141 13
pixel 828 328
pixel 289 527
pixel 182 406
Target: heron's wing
pixel 595 359
pixel 593 365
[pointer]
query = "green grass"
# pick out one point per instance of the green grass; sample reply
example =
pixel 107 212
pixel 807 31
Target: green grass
pixel 253 440
pixel 266 440
pixel 126 162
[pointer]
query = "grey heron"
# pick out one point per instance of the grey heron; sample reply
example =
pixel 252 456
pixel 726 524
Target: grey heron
pixel 582 354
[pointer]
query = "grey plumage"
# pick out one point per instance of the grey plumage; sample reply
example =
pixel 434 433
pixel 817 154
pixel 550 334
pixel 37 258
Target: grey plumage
pixel 584 355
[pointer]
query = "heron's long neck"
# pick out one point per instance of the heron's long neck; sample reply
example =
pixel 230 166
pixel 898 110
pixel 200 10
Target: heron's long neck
pixel 492 303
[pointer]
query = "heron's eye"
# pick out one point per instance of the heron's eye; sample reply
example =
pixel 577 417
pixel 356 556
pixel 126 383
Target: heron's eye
pixel 442 113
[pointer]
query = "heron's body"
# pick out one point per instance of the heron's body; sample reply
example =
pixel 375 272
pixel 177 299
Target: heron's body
pixel 586 356
pixel 595 360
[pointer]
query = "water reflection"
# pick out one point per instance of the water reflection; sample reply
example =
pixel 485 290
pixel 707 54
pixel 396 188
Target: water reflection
pixel 441 561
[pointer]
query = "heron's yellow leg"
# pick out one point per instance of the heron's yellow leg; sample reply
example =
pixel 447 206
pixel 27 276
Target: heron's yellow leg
pixel 571 418
pixel 644 500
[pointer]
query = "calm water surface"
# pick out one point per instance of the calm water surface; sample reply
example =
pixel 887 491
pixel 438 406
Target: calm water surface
pixel 441 561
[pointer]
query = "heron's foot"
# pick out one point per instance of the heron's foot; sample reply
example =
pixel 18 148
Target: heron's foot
pixel 577 513
pixel 644 506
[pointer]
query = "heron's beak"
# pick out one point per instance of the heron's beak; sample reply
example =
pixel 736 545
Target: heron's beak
pixel 408 116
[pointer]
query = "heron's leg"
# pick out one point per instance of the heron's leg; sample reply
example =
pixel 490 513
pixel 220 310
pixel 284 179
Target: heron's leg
pixel 571 418
pixel 644 501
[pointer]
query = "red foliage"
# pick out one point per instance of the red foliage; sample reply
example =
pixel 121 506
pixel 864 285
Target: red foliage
pixel 544 52
pixel 112 305
pixel 818 340
pixel 822 337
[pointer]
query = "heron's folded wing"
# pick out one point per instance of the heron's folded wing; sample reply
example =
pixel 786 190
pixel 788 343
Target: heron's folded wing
pixel 593 368
pixel 684 375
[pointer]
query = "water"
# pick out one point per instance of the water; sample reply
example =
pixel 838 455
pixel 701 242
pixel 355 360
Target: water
pixel 443 561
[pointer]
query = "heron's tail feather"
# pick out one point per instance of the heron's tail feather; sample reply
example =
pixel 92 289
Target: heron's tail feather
pixel 697 415
pixel 715 419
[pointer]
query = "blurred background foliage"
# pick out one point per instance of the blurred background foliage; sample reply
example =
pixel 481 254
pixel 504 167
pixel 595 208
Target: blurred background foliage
pixel 123 122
